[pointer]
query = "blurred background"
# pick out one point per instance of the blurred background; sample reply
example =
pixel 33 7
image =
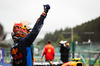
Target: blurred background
pixel 75 21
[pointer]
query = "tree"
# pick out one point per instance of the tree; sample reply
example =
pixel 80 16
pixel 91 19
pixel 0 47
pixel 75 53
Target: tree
pixel 60 38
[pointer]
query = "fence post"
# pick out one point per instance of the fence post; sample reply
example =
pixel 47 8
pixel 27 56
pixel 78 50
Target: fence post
pixel 89 58
pixel 72 50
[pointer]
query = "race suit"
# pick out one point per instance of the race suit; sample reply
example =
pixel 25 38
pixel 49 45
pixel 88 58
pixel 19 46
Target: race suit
pixel 21 50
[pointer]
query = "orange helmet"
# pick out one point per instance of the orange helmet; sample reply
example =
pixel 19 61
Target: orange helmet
pixel 20 29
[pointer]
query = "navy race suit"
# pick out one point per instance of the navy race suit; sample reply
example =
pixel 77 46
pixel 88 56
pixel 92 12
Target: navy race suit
pixel 21 50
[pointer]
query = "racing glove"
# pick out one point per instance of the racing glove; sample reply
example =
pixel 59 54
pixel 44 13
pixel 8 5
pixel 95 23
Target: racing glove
pixel 46 8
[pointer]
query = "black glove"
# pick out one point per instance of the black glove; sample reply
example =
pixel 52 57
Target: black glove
pixel 46 8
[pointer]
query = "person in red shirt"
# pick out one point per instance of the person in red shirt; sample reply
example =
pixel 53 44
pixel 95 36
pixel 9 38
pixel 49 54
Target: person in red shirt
pixel 49 52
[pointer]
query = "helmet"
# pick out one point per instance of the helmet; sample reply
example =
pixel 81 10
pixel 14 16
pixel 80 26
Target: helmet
pixel 20 30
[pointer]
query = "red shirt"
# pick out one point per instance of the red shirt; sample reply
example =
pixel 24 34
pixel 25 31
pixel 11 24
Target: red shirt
pixel 49 52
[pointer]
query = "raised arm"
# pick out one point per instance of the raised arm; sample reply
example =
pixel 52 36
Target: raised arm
pixel 37 27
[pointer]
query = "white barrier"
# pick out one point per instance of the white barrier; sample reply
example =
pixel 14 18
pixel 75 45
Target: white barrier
pixel 48 63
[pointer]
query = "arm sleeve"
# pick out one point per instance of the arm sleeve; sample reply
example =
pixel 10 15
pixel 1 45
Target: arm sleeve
pixel 28 40
pixel 68 48
pixel 44 51
pixel 61 49
pixel 54 52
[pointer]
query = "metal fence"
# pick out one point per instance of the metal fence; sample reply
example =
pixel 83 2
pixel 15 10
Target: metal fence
pixel 89 53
